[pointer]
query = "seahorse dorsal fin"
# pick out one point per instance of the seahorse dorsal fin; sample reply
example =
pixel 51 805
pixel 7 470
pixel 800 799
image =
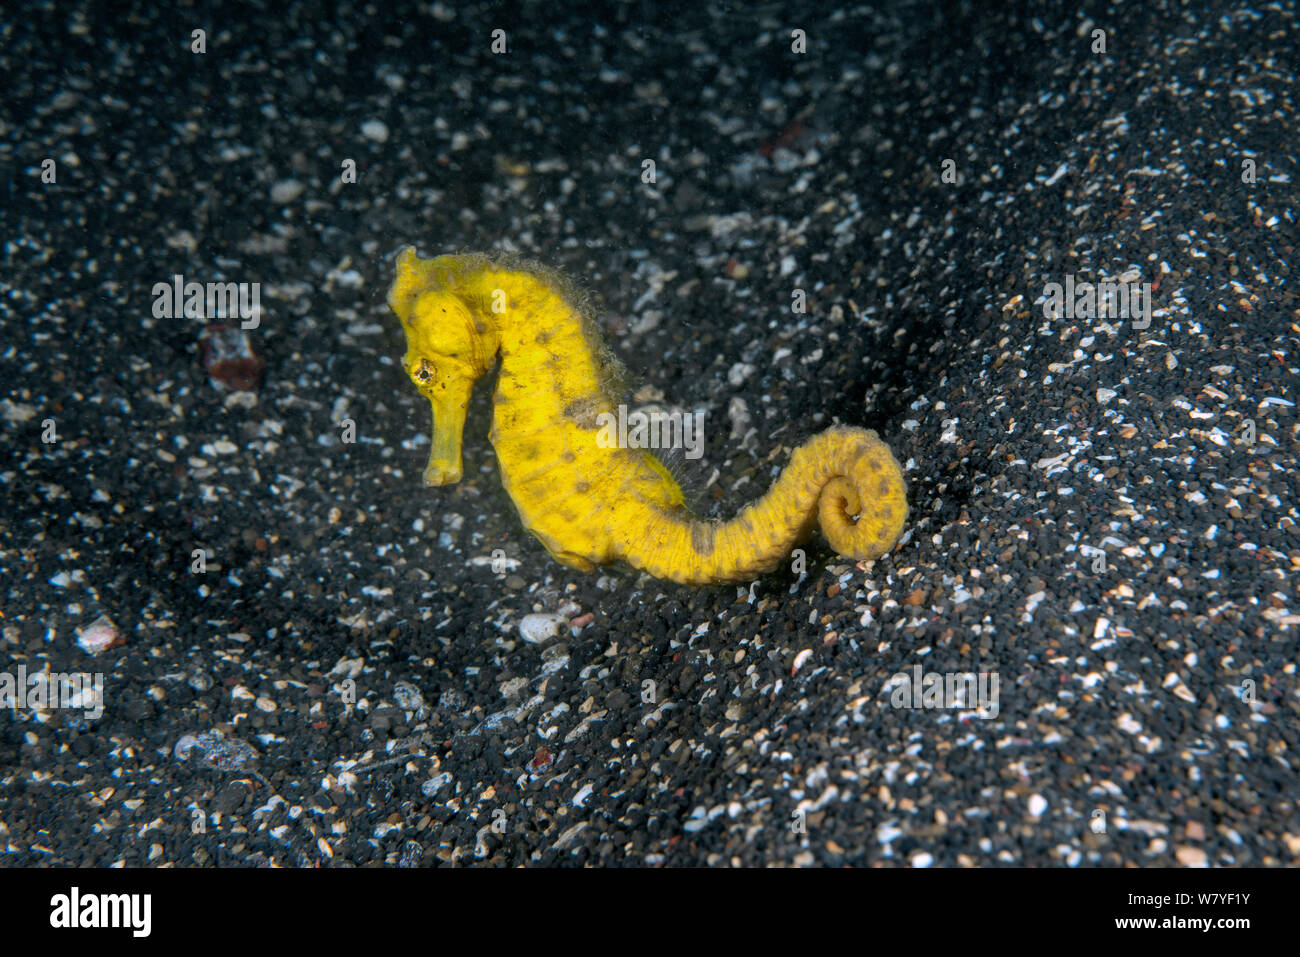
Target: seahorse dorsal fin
pixel 689 475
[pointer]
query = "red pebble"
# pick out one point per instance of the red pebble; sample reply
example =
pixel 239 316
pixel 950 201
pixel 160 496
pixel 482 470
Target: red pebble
pixel 229 358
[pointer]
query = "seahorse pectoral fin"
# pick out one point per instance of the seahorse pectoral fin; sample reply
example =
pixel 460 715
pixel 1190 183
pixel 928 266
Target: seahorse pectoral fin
pixel 449 406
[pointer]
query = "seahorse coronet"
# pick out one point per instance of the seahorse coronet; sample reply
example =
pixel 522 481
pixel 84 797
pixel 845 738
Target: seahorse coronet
pixel 590 503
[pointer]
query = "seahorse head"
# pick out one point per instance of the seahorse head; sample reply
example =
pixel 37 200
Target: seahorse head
pixel 449 345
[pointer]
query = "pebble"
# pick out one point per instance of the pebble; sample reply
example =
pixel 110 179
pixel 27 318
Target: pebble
pixel 99 636
pixel 375 130
pixel 1191 856
pixel 541 627
pixel 217 751
pixel 286 191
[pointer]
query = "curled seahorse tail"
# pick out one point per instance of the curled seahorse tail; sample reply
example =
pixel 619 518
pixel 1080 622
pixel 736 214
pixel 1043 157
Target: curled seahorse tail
pixel 863 506
pixel 844 480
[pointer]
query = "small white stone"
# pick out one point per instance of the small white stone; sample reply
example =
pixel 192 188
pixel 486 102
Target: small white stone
pixel 1105 395
pixel 1191 857
pixel 1037 805
pixel 286 191
pixel 739 372
pixel 17 411
pixel 100 635
pixel 538 628
pixel 375 130
pixel 513 688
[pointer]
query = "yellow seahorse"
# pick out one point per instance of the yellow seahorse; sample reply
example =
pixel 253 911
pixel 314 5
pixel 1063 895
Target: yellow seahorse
pixel 588 504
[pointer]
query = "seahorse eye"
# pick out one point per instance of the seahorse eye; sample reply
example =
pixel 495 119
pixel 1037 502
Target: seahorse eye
pixel 425 371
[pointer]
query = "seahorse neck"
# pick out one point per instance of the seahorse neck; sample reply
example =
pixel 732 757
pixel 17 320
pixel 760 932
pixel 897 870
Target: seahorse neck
pixel 542 332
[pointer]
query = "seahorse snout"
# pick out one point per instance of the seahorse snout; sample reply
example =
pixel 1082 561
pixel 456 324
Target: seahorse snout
pixel 449 404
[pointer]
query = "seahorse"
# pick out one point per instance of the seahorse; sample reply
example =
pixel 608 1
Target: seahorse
pixel 593 505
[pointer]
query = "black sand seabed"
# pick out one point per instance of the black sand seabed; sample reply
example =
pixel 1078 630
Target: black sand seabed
pixel 1147 712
